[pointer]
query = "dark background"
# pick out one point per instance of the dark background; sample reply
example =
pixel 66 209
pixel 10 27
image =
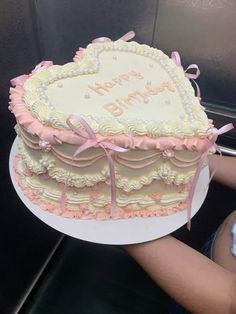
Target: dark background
pixel 34 257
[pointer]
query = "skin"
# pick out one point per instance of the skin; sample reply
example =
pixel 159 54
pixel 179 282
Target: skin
pixel 220 252
pixel 193 280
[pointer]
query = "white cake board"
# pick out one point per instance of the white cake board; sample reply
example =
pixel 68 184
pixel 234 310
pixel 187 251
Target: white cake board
pixel 116 232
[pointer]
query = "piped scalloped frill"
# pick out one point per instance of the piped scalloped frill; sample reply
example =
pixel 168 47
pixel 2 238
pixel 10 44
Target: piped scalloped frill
pixel 120 213
pixel 55 136
pixel 78 55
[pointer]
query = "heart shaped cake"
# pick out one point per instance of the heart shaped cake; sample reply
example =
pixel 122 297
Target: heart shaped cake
pixel 116 133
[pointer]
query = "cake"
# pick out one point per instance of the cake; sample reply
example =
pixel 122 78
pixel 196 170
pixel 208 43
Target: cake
pixel 116 133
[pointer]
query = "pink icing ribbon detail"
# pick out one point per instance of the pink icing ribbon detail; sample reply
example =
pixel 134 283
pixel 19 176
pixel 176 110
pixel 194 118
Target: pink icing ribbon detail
pixel 93 141
pixel 19 80
pixel 191 76
pixel 211 144
pixel 63 199
pixel 125 37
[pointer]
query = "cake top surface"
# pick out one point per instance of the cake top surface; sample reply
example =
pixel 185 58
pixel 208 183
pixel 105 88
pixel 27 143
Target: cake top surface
pixel 118 88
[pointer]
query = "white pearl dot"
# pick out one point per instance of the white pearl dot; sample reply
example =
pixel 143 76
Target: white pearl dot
pixel 164 174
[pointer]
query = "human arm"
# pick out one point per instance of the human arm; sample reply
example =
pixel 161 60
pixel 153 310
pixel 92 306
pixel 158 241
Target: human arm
pixel 187 276
pixel 224 169
pixel 193 280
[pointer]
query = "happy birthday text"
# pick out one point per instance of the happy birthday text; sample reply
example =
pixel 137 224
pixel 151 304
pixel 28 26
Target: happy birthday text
pixel 118 106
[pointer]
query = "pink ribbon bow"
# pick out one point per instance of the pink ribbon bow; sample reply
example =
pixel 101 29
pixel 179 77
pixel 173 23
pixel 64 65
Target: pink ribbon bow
pixel 211 144
pixel 125 37
pixel 93 141
pixel 19 80
pixel 191 76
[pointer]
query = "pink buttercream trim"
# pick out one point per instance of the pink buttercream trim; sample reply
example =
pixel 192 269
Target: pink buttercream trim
pixel 55 136
pixel 83 213
pixel 78 55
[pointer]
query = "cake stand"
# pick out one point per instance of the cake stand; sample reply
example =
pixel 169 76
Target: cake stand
pixel 115 232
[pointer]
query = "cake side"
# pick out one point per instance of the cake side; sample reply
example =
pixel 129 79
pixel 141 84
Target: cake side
pixel 133 169
pixel 95 202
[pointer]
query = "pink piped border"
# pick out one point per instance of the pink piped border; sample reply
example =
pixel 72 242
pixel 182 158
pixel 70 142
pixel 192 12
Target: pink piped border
pixel 79 55
pixel 55 136
pixel 35 198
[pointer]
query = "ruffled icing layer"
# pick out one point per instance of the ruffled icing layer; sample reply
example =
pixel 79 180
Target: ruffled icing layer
pixel 94 203
pixel 134 169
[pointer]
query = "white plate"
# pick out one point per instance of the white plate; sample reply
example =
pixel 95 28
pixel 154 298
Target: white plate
pixel 118 232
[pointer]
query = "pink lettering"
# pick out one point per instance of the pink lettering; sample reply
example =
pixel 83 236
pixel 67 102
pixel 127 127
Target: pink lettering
pixel 159 90
pixel 113 109
pixel 168 86
pixel 98 88
pixel 135 96
pixel 121 104
pixel 109 84
pixel 141 95
pixel 117 80
pixel 124 77
pixel 136 74
pixel 151 90
pixel 128 100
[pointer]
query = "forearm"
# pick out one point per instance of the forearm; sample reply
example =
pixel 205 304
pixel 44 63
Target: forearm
pixel 224 168
pixel 190 278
